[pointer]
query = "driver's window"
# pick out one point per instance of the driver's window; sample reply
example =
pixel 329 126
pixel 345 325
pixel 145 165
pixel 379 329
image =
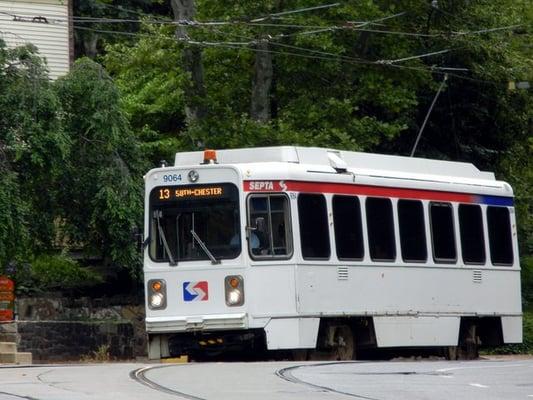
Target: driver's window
pixel 269 233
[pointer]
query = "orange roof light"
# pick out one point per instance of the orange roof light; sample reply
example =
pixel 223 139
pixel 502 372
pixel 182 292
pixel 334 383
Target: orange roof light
pixel 234 282
pixel 156 286
pixel 210 156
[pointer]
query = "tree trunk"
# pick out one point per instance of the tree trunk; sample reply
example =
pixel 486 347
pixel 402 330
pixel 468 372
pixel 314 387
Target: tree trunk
pixel 90 44
pixel 184 10
pixel 262 83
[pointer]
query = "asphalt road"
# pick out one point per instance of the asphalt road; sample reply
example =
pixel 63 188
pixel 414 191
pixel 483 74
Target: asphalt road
pixel 398 380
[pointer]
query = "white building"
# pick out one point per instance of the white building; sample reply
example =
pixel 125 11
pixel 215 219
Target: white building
pixel 45 23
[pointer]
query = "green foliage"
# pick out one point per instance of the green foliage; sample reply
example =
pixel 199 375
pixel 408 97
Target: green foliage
pixel 61 272
pixel 53 272
pixel 32 148
pixel 151 85
pixel 101 189
pixel 527 281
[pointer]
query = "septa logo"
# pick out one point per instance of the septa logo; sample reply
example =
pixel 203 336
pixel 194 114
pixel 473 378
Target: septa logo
pixel 195 291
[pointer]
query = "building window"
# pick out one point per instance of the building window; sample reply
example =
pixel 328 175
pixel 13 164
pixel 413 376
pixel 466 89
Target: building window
pixel 412 230
pixel 442 232
pixel 500 236
pixel 471 229
pixel 269 225
pixel 348 229
pixel 314 230
pixel 380 225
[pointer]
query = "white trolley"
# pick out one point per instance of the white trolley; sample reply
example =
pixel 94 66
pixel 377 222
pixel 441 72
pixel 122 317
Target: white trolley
pixel 313 248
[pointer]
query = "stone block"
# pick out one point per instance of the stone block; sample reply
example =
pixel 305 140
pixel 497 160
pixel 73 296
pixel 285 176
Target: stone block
pixel 15 358
pixel 9 337
pixel 8 358
pixel 23 358
pixel 8 347
pixel 8 328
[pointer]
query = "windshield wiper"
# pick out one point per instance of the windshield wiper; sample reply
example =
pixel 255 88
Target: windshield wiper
pixel 204 247
pixel 157 215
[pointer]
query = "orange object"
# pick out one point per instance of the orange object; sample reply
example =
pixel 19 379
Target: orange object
pixel 156 286
pixel 7 296
pixel 7 299
pixel 6 284
pixel 6 315
pixel 210 156
pixel 234 283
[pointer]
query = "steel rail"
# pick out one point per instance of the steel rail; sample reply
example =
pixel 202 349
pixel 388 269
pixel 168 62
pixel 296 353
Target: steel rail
pixel 139 375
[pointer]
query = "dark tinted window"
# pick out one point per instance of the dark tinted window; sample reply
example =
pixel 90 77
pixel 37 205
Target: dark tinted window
pixel 412 230
pixel 380 227
pixel 442 233
pixel 500 239
pixel 270 220
pixel 348 230
pixel 471 228
pixel 314 232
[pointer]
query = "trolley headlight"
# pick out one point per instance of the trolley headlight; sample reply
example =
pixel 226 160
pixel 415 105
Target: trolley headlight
pixel 234 287
pixel 157 294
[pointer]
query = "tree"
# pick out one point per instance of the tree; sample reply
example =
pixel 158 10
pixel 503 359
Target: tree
pixel 32 149
pixel 101 190
pixel 185 11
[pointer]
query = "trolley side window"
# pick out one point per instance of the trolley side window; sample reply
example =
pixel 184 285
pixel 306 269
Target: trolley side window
pixel 269 226
pixel 412 230
pixel 500 236
pixel 380 225
pixel 442 232
pixel 471 229
pixel 314 230
pixel 348 228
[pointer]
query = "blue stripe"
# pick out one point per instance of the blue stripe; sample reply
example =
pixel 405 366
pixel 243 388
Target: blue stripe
pixel 497 201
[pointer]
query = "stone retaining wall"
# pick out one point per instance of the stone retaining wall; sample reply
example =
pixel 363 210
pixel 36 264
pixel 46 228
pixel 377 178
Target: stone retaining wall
pixel 74 341
pixel 71 329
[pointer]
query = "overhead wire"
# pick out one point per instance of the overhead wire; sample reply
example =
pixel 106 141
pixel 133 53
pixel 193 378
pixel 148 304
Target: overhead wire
pixel 282 13
pixel 324 56
pixel 321 54
pixel 347 25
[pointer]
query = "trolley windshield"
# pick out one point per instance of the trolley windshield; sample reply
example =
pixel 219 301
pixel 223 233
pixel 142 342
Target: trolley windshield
pixel 197 222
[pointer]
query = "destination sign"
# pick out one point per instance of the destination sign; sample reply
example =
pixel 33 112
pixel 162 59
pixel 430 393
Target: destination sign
pixel 172 193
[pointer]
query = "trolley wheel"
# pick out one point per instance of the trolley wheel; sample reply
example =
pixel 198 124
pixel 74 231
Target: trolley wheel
pixel 450 353
pixel 344 348
pixel 468 347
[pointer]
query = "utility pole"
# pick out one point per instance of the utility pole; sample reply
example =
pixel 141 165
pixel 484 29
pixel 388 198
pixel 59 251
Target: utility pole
pixel 262 83
pixel 184 13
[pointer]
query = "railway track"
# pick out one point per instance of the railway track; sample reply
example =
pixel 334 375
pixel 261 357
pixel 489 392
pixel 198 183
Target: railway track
pixel 139 375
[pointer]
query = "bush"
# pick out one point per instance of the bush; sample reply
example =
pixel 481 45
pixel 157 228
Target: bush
pixel 527 282
pixel 52 272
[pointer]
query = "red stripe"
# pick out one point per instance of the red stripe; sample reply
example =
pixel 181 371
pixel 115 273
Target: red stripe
pixel 342 188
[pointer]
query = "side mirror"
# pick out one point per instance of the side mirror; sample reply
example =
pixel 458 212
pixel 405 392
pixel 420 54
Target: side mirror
pixel 260 224
pixel 137 236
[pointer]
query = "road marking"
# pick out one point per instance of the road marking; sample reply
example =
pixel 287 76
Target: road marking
pixel 479 385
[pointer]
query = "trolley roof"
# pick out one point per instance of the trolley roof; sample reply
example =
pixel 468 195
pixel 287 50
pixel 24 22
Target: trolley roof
pixel 352 161
pixel 322 164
